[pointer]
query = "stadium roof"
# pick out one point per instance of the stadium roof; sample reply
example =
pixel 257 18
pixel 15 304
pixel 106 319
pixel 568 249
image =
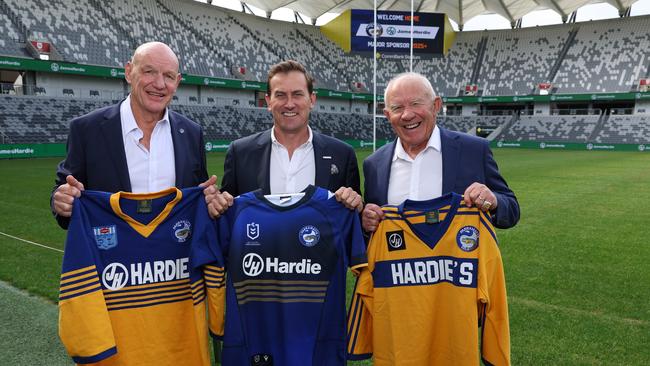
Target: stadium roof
pixel 460 11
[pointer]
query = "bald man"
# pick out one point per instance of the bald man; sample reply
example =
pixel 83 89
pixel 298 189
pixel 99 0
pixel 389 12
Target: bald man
pixel 138 145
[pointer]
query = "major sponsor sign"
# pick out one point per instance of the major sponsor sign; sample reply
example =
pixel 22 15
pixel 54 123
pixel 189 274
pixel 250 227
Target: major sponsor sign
pixel 393 32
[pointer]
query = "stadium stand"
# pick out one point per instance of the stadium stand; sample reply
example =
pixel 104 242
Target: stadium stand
pixel 602 56
pixel 213 41
pixel 517 60
pixel 624 130
pixel 469 123
pixel 606 56
pixel 30 119
pixel 551 128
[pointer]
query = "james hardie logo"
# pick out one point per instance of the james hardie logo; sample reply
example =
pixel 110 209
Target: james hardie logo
pixel 206 81
pixel 309 235
pixel 208 146
pixel 467 238
pixel 105 237
pixel 641 147
pixel 395 240
pixel 252 264
pixel 542 145
pixel 253 231
pixel 115 276
pixel 500 144
pixel 182 230
pixel 590 146
pixel 54 67
pixel 391 31
pixel 113 72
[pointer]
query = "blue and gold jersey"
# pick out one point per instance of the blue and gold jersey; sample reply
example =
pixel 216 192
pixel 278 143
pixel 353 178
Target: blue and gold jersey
pixel 285 285
pixel 129 295
pixel 433 292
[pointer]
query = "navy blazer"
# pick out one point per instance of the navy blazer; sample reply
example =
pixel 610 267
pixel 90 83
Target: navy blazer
pixel 465 159
pixel 248 161
pixel 96 157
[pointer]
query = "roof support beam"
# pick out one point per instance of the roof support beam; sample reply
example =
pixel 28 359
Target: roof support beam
pixel 556 7
pixel 507 11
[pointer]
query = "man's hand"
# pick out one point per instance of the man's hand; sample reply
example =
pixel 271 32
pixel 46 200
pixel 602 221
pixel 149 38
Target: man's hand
pixel 481 196
pixel 371 216
pixel 64 196
pixel 218 202
pixel 349 198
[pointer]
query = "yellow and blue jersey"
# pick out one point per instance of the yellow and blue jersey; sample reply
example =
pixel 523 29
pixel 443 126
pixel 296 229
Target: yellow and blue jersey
pixel 129 294
pixel 433 292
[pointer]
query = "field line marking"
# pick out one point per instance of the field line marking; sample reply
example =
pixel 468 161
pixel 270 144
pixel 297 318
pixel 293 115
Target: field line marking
pixel 566 309
pixel 30 242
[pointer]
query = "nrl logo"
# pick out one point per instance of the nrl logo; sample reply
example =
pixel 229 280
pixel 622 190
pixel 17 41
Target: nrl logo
pixel 253 231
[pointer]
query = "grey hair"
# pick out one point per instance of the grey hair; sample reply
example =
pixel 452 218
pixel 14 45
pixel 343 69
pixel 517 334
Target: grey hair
pixel 414 75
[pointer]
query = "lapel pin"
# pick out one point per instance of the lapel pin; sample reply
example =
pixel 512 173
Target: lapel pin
pixel 334 169
pixel 182 130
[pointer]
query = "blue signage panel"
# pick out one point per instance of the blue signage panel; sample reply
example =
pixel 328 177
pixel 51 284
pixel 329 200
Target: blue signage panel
pixel 394 32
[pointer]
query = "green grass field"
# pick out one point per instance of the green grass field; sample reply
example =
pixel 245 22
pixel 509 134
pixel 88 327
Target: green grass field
pixel 577 265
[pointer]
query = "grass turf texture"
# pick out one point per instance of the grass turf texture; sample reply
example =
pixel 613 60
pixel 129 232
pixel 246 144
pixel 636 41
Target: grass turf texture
pixel 576 264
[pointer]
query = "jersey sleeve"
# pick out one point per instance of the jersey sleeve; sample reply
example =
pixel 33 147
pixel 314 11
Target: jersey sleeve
pixel 359 327
pixel 356 244
pixel 207 255
pixel 84 324
pixel 493 303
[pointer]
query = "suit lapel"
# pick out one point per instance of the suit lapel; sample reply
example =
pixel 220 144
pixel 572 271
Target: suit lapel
pixel 111 128
pixel 180 150
pixel 263 162
pixel 450 160
pixel 387 161
pixel 323 160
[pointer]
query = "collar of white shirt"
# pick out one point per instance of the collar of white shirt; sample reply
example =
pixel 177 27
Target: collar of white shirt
pixel 274 140
pixel 128 119
pixel 433 143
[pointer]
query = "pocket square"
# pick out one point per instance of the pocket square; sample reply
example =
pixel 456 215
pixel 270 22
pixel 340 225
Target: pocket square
pixel 334 169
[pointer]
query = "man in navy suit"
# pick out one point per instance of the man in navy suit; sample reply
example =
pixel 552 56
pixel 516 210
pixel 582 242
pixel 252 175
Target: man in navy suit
pixel 138 145
pixel 290 156
pixel 427 161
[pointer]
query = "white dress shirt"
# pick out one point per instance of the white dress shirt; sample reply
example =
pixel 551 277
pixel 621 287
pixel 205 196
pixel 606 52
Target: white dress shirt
pixel 419 178
pixel 295 174
pixel 149 170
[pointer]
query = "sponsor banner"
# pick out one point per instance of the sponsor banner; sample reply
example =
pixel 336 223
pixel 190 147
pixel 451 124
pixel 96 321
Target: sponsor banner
pixel 14 151
pixel 550 145
pixel 217 145
pixel 366 143
pixel 394 32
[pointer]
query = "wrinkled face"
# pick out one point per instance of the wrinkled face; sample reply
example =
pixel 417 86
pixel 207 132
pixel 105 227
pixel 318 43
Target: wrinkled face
pixel 154 77
pixel 412 112
pixel 290 101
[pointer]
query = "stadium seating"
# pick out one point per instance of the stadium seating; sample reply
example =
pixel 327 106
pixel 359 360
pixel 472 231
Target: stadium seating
pixel 35 119
pixel 213 41
pixel 551 128
pixel 607 56
pixel 624 130
pixel 469 123
pixel 517 60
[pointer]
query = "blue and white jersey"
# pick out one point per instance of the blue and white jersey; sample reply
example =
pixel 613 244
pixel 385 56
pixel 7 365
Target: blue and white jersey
pixel 285 278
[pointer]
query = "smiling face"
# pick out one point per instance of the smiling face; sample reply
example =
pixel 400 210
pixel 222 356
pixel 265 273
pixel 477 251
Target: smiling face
pixel 411 109
pixel 153 76
pixel 290 102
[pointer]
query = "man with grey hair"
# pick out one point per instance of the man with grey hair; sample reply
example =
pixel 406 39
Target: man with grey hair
pixel 427 161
